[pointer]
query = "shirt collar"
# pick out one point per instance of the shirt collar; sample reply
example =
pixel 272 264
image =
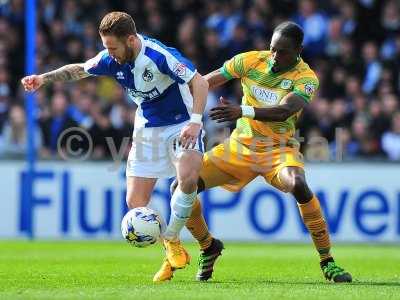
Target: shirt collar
pixel 134 62
pixel 141 52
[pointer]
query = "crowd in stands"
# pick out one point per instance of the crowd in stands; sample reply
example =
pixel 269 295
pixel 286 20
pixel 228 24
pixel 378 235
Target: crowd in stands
pixel 353 46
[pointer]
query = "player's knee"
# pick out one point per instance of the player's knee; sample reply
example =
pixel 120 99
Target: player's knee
pixel 292 180
pixel 187 175
pixel 285 181
pixel 188 180
pixel 288 184
pixel 299 182
pixel 188 172
pixel 190 160
pixel 301 191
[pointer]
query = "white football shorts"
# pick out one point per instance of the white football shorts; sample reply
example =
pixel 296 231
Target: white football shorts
pixel 154 151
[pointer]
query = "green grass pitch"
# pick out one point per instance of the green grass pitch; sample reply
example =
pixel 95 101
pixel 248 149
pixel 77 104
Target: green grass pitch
pixel 114 270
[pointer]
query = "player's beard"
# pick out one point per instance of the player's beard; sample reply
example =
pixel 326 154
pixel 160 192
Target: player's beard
pixel 275 66
pixel 129 54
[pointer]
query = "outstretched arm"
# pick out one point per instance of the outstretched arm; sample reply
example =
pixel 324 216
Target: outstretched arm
pixel 66 73
pixel 290 105
pixel 70 72
pixel 215 79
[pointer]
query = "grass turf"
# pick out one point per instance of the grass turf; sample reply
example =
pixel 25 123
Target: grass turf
pixel 114 270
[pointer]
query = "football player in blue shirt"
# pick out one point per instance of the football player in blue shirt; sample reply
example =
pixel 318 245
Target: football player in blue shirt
pixel 170 96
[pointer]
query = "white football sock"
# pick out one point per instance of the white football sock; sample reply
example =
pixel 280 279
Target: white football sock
pixel 181 208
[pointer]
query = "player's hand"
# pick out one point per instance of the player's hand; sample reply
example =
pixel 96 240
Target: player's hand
pixel 226 111
pixel 189 135
pixel 32 83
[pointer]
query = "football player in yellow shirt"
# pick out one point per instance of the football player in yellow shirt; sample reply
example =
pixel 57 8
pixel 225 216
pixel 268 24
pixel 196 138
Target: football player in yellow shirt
pixel 277 84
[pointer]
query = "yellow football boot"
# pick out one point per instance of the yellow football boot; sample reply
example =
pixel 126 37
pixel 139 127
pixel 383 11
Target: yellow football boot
pixel 176 254
pixel 165 273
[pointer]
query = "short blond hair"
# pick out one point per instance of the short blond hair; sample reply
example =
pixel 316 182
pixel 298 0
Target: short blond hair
pixel 117 23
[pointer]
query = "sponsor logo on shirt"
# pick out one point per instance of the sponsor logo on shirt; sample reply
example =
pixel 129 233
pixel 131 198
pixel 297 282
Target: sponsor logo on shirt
pixel 265 95
pixel 179 69
pixel 146 96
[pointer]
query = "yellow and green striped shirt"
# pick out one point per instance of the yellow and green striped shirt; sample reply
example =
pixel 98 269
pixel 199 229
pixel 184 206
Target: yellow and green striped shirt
pixel 264 88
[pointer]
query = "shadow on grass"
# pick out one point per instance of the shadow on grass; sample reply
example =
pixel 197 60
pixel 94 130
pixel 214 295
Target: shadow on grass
pixel 315 283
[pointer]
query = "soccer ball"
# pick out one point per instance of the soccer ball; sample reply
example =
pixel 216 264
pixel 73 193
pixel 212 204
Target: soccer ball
pixel 141 227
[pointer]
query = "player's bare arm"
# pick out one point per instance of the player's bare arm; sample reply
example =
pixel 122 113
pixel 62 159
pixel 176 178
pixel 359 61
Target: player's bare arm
pixel 70 72
pixel 66 73
pixel 215 79
pixel 290 105
pixel 199 88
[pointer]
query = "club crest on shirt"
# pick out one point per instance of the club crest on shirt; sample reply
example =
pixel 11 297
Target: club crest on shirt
pixel 179 69
pixel 286 84
pixel 147 75
pixel 309 88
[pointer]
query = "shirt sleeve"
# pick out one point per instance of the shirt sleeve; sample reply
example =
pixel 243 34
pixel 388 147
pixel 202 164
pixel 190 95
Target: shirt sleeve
pixel 238 65
pixel 306 85
pixel 171 62
pixel 98 65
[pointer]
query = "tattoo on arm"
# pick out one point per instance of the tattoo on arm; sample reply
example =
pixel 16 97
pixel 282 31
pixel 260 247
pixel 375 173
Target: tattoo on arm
pixel 66 73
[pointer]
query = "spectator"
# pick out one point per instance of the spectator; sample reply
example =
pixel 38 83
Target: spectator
pixel 378 120
pixel 366 145
pixel 343 147
pixel 337 82
pixel 390 104
pixel 317 147
pixel 214 54
pixel 79 110
pixel 53 126
pixel 4 96
pixel 102 132
pixel 390 19
pixel 373 67
pixel 333 44
pixel 348 14
pixel 391 139
pixel 13 141
pixel 240 40
pixel 315 26
pixel 224 19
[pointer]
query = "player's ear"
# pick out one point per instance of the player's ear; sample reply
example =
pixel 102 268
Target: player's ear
pixel 131 39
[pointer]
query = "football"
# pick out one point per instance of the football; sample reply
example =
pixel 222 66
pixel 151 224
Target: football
pixel 141 227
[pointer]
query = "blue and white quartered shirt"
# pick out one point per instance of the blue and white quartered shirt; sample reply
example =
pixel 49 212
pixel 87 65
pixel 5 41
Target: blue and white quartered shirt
pixel 157 81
